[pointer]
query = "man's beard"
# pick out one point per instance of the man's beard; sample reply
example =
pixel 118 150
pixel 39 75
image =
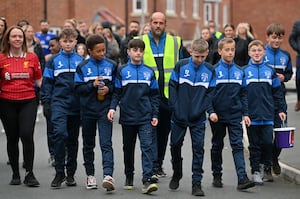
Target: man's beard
pixel 134 33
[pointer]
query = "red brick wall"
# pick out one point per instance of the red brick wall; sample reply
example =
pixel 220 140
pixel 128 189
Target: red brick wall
pixel 261 13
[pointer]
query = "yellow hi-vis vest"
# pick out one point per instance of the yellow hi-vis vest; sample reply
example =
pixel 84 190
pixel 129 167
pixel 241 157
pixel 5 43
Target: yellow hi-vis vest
pixel 171 56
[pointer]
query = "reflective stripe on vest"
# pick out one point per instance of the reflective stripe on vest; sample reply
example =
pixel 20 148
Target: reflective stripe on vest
pixel 171 56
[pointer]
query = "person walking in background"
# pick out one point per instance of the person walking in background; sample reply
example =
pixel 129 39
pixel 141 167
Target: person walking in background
pixel 264 96
pixel 229 107
pixel 58 93
pixel 19 71
pixel 281 61
pixel 82 51
pixel 294 40
pixel 137 94
pixel 3 27
pixel 113 49
pixel 133 31
pixel 189 99
pixel 242 39
pixel 162 51
pixel 54 48
pixel 44 36
pixel 212 28
pixel 212 45
pixel 94 84
pixel 72 24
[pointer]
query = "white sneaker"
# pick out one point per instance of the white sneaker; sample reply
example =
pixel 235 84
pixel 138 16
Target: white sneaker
pixel 91 182
pixel 257 179
pixel 108 183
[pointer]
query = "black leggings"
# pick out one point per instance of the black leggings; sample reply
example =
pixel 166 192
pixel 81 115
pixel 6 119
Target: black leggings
pixel 18 118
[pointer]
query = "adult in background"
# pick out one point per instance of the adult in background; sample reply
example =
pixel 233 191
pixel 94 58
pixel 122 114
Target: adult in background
pixel 44 36
pixel 294 41
pixel 133 28
pixel 19 71
pixel 162 51
pixel 3 27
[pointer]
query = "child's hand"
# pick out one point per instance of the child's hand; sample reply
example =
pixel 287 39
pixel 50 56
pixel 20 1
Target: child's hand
pixel 247 121
pixel 110 114
pixel 280 76
pixel 282 116
pixel 213 117
pixel 154 121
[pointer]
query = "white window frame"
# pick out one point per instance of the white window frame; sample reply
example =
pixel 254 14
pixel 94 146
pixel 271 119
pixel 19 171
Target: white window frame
pixel 139 10
pixel 171 7
pixel 225 15
pixel 207 12
pixel 196 8
pixel 182 11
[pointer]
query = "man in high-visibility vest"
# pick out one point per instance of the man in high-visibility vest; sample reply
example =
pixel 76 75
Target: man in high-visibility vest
pixel 162 51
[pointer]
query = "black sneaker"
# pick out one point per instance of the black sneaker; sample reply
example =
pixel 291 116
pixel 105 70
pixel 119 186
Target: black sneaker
pixel 268 176
pixel 16 180
pixel 58 179
pixel 174 183
pixel 149 187
pixel 276 167
pixel 128 183
pixel 30 180
pixel 217 181
pixel 70 181
pixel 245 183
pixel 197 190
pixel 160 173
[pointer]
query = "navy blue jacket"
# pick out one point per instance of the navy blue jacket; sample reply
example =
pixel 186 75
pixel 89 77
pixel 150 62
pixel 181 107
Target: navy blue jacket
pixel 137 93
pixel 280 60
pixel 230 97
pixel 264 93
pixel 85 75
pixel 58 83
pixel 189 93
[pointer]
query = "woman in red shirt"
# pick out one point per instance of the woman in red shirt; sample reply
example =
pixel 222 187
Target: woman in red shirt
pixel 19 70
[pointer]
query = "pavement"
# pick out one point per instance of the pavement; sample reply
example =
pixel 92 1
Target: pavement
pixel 289 158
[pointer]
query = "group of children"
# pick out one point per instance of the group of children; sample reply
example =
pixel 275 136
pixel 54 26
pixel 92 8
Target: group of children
pixel 87 93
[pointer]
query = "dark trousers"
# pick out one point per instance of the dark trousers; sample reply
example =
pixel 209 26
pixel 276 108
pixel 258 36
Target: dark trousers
pixel 66 132
pixel 130 133
pixel 235 132
pixel 160 137
pixel 18 119
pixel 197 132
pixel 298 76
pixel 89 128
pixel 260 143
pixel 49 129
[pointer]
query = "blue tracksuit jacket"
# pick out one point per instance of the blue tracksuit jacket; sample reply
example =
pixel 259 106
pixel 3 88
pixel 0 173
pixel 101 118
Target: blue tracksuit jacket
pixel 137 93
pixel 85 75
pixel 264 93
pixel 58 83
pixel 230 97
pixel 189 92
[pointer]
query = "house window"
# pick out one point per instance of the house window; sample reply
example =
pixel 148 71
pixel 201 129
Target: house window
pixel 171 7
pixel 207 12
pixel 138 6
pixel 182 12
pixel 196 8
pixel 225 15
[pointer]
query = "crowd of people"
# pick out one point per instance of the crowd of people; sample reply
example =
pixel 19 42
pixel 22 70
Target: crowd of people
pixel 81 76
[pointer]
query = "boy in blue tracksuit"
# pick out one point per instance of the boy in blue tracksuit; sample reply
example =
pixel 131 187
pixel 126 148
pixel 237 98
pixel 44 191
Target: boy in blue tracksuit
pixel 137 94
pixel 264 96
pixel 92 73
pixel 281 61
pixel 58 92
pixel 189 98
pixel 229 107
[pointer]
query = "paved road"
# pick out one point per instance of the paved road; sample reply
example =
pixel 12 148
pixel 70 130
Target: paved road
pixel 280 189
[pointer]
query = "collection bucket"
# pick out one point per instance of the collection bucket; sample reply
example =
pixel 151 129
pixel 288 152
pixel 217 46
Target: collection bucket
pixel 284 137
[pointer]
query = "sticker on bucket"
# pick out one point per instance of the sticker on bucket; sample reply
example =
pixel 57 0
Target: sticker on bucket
pixel 284 137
